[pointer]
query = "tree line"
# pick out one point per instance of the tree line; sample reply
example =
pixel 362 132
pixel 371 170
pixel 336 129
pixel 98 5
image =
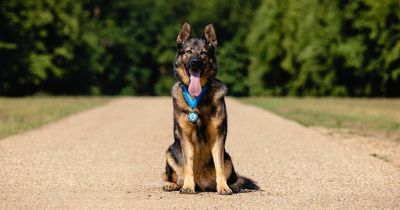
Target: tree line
pixel 266 47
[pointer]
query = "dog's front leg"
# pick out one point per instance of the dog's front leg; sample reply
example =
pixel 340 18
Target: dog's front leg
pixel 188 153
pixel 217 131
pixel 218 157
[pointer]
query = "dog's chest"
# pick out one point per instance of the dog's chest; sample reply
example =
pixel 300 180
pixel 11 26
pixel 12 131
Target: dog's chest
pixel 199 133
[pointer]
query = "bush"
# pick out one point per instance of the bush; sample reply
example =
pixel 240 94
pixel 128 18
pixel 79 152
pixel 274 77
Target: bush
pixel 325 48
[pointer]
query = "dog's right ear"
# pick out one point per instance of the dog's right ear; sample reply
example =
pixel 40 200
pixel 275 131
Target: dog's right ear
pixel 184 34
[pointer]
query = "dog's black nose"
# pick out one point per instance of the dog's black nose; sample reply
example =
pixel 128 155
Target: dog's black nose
pixel 196 62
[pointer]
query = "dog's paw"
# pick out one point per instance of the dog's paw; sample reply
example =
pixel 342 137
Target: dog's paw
pixel 187 190
pixel 169 186
pixel 225 190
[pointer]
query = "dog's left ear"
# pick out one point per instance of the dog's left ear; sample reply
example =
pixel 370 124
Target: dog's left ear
pixel 209 35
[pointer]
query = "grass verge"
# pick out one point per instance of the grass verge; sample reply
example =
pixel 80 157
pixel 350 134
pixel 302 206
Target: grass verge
pixel 359 116
pixel 21 114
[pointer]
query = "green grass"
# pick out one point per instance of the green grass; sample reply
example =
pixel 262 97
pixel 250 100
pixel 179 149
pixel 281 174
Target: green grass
pixel 361 116
pixel 21 114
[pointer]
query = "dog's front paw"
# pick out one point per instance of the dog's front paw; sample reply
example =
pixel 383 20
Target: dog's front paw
pixel 187 190
pixel 224 190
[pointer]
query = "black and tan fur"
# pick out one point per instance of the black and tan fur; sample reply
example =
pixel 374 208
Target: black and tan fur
pixel 197 160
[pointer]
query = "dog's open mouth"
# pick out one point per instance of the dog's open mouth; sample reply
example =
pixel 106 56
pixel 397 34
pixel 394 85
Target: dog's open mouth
pixel 194 85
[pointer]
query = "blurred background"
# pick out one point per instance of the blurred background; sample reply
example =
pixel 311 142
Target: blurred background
pixel 266 47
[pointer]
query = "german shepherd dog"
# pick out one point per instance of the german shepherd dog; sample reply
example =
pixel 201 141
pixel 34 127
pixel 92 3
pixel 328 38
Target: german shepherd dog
pixel 197 160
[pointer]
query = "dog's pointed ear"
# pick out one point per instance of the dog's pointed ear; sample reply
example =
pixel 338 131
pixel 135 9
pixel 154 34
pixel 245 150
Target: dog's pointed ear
pixel 184 34
pixel 209 35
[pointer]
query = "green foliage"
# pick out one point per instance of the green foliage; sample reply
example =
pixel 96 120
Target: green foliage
pixel 38 38
pixel 272 47
pixel 232 69
pixel 325 48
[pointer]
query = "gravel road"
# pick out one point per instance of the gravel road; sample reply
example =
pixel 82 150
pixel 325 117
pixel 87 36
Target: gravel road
pixel 112 157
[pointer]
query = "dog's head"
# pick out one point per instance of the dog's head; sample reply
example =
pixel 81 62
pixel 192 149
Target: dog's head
pixel 195 62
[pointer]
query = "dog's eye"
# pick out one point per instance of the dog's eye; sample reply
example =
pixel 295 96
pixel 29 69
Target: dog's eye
pixel 203 52
pixel 188 51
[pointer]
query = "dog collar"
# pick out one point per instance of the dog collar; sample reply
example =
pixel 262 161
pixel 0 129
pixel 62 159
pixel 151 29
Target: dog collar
pixel 192 102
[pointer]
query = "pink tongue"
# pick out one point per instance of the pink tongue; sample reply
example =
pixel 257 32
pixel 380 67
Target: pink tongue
pixel 194 85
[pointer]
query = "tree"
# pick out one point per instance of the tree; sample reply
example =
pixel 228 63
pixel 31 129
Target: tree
pixel 36 43
pixel 325 48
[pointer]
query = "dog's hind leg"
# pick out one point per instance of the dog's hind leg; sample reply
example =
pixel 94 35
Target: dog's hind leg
pixel 170 180
pixel 173 174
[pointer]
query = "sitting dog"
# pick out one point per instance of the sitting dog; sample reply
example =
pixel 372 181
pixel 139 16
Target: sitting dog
pixel 197 160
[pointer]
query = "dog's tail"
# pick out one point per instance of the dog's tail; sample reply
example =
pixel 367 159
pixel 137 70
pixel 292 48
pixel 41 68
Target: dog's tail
pixel 244 184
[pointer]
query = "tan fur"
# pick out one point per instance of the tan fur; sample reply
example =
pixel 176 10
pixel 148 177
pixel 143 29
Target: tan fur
pixel 217 150
pixel 188 154
pixel 182 73
pixel 205 77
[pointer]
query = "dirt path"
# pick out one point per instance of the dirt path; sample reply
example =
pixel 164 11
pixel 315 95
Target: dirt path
pixel 111 157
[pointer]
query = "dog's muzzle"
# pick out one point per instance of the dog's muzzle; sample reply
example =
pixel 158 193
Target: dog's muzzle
pixel 196 63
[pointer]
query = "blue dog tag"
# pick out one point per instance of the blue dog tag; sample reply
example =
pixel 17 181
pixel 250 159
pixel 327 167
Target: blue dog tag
pixel 192 117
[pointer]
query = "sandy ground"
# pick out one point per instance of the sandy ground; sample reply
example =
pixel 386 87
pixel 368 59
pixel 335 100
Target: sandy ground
pixel 112 157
